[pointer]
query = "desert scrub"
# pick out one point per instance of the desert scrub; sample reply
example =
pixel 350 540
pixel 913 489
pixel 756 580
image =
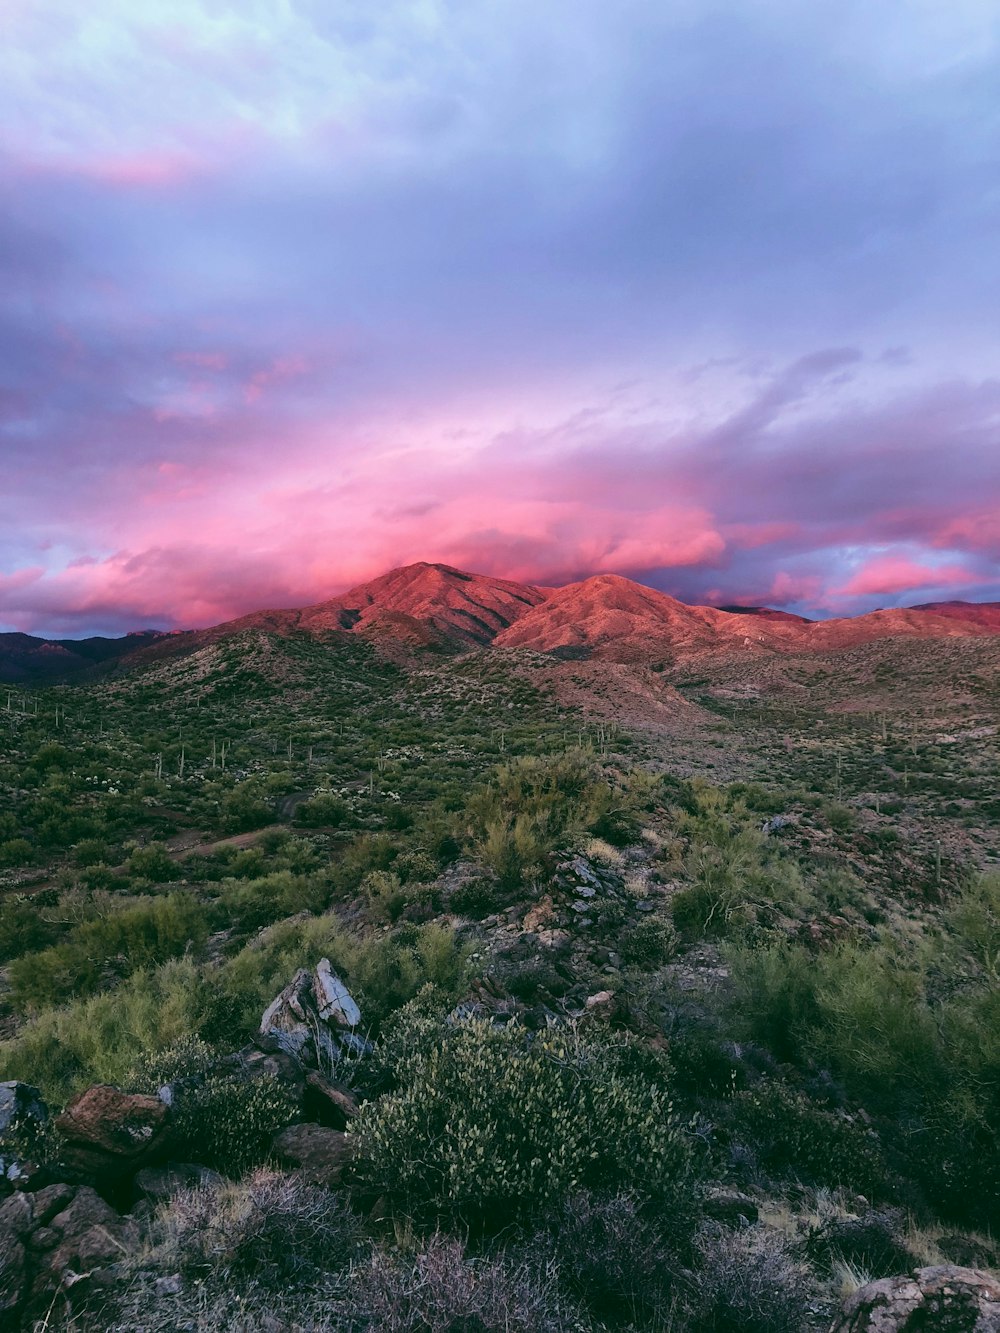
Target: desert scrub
pixel 228 1121
pixel 124 941
pixel 791 1135
pixel 649 943
pixel 270 1227
pixel 487 1123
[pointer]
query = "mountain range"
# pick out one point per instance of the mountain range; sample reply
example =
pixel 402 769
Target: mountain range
pixel 437 607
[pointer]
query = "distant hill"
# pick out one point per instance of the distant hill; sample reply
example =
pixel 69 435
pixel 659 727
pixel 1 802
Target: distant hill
pixel 26 659
pixel 438 607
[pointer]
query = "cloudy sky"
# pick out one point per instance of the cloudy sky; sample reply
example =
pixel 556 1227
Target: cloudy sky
pixel 293 291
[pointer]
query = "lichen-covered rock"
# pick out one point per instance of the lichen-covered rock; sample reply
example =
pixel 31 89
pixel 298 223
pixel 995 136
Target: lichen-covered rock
pixel 314 1017
pixel 110 1132
pixel 946 1298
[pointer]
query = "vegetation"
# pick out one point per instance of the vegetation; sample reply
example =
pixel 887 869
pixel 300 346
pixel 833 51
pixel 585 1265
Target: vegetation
pixel 609 1005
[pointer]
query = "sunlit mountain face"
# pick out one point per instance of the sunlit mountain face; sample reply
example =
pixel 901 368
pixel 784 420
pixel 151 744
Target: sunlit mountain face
pixel 293 295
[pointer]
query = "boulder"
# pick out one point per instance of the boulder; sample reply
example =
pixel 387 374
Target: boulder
pixel 160 1182
pixel 22 1111
pixel 110 1132
pixel 319 1153
pixel 56 1237
pixel 20 1102
pixel 328 1102
pixel 947 1298
pixel 313 1019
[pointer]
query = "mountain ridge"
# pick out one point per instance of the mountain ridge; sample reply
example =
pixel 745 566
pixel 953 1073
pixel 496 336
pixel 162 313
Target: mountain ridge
pixel 440 607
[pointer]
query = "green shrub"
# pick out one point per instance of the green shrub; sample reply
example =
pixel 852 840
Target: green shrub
pixel 123 942
pixel 489 1124
pixel 23 929
pixel 794 1136
pixel 99 1040
pixel 228 1122
pixel 153 862
pixel 323 810
pixel 15 852
pixel 244 808
pixel 649 943
pixel 252 903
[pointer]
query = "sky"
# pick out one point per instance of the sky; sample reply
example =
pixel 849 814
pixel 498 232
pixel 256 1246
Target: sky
pixel 296 291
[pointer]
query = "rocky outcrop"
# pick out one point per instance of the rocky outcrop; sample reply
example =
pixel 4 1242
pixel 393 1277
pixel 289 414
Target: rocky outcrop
pixel 20 1103
pixel 109 1133
pixel 314 1019
pixel 319 1153
pixel 945 1298
pixel 58 1236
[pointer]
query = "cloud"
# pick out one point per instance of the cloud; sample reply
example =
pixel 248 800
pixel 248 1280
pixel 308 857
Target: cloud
pixel 292 294
pixel 891 574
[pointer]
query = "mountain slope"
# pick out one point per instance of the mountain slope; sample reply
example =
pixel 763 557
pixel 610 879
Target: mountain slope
pixel 437 606
pixel 427 601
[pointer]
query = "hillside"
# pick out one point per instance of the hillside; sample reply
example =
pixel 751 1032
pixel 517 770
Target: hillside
pixel 564 992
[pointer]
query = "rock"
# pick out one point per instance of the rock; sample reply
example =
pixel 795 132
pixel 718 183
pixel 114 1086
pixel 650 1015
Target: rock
pixel 13 1270
pixel 540 915
pixel 56 1237
pixel 333 997
pixel 731 1208
pixel 20 1102
pixel 91 1235
pixel 171 1285
pixel 48 1202
pixel 775 824
pixel 160 1182
pixel 22 1109
pixel 319 1153
pixel 602 1000
pixel 948 1298
pixel 330 1103
pixel 313 1018
pixel 109 1132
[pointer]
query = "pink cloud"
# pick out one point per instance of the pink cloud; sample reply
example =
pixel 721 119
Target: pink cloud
pixel 278 372
pixel 889 574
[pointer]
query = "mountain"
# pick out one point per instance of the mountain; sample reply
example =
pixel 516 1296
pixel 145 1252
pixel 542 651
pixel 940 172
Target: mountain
pixel 613 617
pixel 985 614
pixel 26 659
pixel 435 606
pixel 427 602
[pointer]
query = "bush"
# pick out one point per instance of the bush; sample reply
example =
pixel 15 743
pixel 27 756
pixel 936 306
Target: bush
pixel 442 1289
pixel 487 1124
pixel 15 852
pixel 649 943
pixel 120 943
pixel 613 1257
pixel 99 1040
pixel 870 1243
pixel 153 862
pixel 270 1227
pixel 324 810
pixel 252 903
pixel 22 928
pixel 792 1135
pixel 244 808
pixel 228 1121
pixel 746 1283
